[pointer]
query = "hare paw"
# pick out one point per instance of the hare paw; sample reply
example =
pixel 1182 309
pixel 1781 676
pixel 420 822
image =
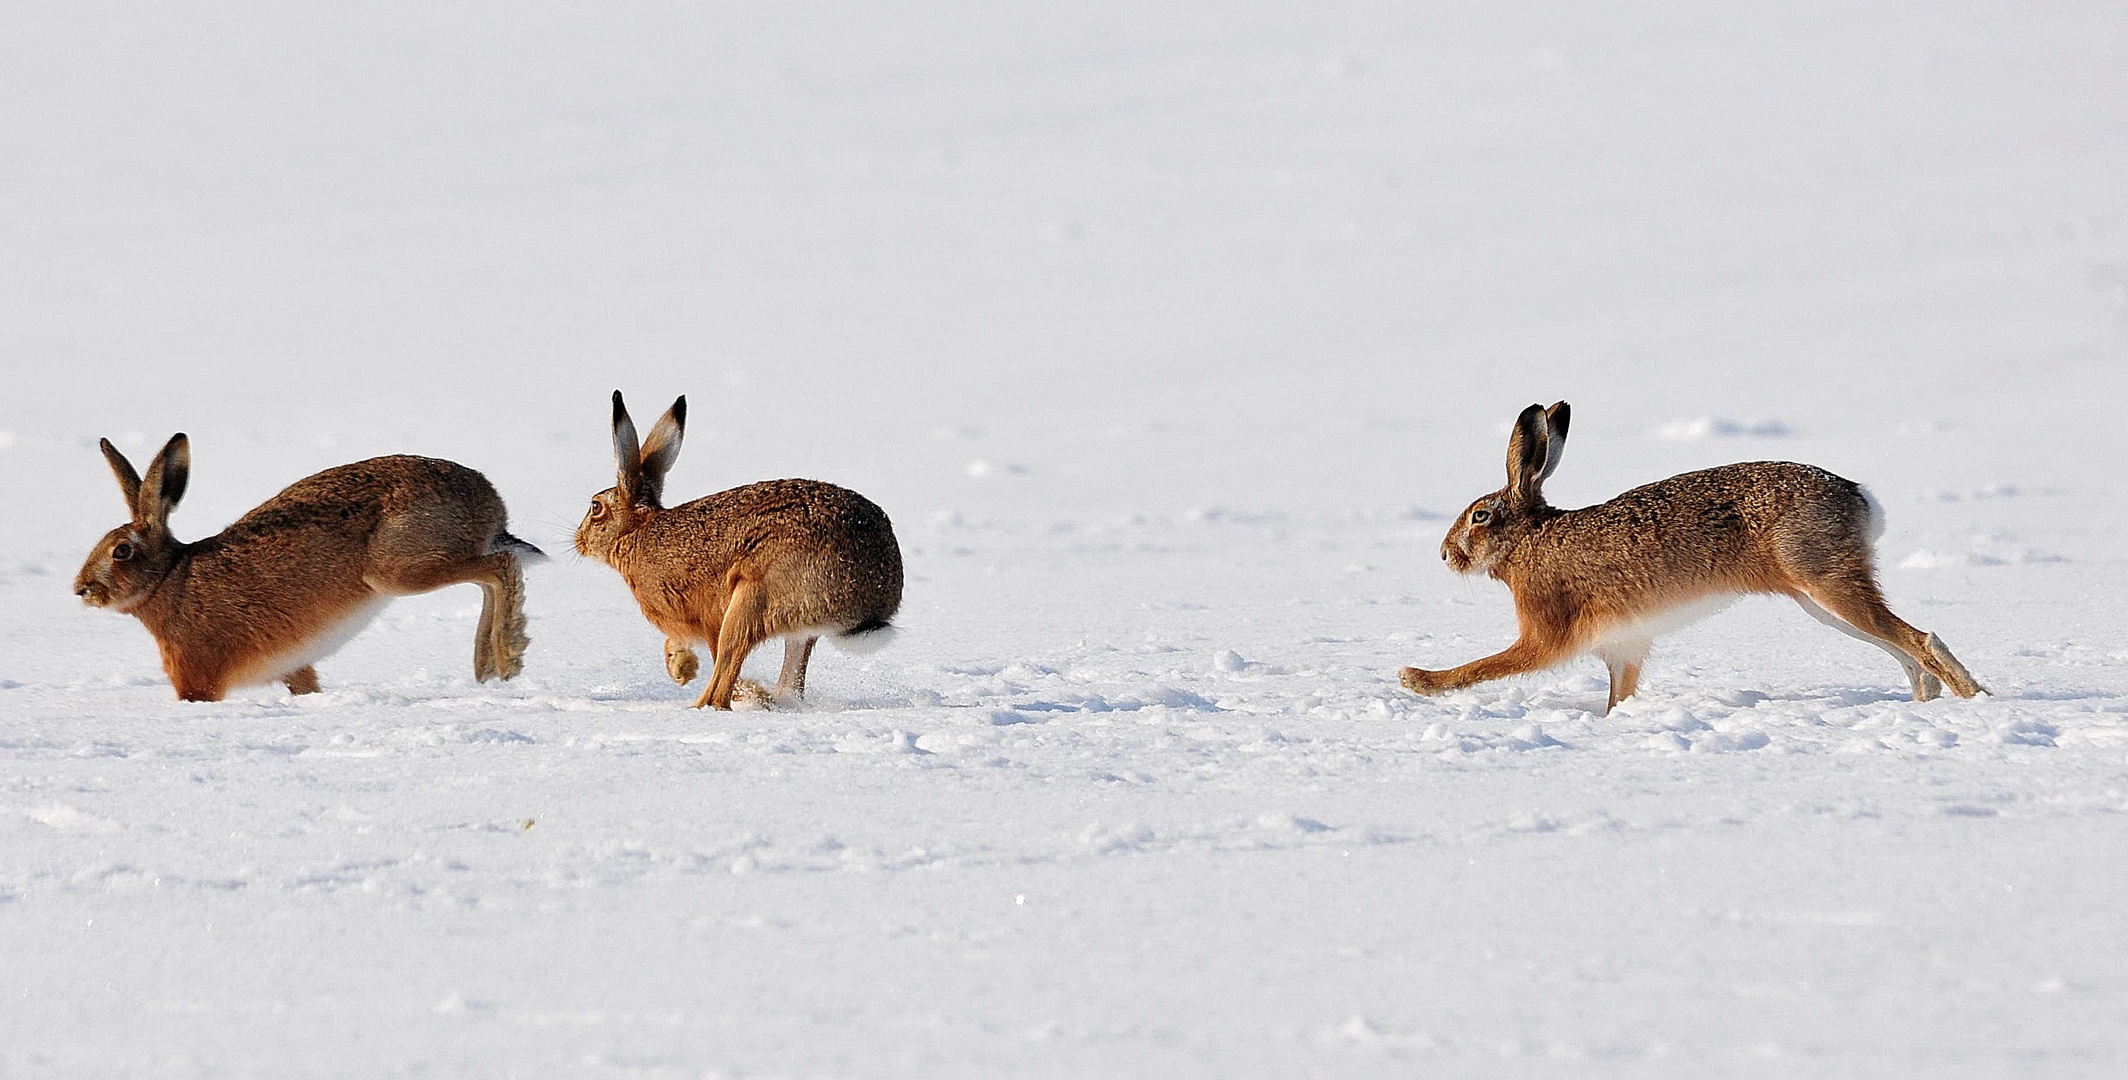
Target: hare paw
pixel 1419 681
pixel 680 663
pixel 303 680
pixel 749 694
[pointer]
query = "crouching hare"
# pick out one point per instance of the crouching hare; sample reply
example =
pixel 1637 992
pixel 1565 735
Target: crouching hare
pixel 1607 579
pixel 795 559
pixel 291 581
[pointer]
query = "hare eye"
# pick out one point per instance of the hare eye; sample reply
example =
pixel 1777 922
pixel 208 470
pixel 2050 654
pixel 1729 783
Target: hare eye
pixel 121 551
pixel 1480 517
pixel 598 509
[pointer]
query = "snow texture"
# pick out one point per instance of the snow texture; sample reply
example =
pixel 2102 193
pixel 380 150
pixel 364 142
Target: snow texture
pixel 1170 335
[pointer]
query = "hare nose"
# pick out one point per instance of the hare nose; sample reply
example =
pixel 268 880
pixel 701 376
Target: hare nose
pixel 81 591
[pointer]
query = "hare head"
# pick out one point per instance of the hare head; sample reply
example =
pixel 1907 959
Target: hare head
pixel 1493 525
pixel 639 486
pixel 131 560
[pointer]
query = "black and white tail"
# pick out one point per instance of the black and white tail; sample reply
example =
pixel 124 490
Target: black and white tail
pixel 525 552
pixel 869 636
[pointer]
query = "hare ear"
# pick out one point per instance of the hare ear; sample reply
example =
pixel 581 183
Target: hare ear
pixel 165 483
pixel 661 449
pixel 1555 423
pixel 1526 451
pixel 627 455
pixel 128 480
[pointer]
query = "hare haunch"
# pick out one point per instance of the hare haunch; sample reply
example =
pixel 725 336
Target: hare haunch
pixel 294 579
pixel 1607 579
pixel 795 559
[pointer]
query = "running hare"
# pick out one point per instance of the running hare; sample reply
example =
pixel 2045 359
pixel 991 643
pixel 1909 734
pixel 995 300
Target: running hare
pixel 1608 579
pixel 294 579
pixel 796 559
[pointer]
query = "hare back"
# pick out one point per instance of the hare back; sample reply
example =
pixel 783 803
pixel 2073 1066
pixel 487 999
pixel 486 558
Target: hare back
pixel 1751 527
pixel 312 545
pixel 421 503
pixel 825 556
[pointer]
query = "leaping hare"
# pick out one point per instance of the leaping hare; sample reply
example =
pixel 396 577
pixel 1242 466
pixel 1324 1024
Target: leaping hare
pixel 293 580
pixel 1608 579
pixel 796 559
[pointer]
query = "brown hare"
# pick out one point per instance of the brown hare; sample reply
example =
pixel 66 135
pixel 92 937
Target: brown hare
pixel 1607 579
pixel 293 580
pixel 795 559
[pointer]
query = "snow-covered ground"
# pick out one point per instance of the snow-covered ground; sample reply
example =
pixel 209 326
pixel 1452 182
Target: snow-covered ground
pixel 1168 334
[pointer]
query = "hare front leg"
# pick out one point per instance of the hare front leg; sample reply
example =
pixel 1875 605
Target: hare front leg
pixel 196 686
pixel 738 635
pixel 1624 667
pixel 303 680
pixel 1522 657
pixel 680 662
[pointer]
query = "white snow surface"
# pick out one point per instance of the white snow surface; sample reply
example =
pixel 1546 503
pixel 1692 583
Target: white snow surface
pixel 1170 335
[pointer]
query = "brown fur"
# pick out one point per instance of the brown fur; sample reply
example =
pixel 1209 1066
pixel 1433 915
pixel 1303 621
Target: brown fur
pixel 1602 579
pixel 782 558
pixel 263 599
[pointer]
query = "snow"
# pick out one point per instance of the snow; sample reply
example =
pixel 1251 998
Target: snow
pixel 1169 335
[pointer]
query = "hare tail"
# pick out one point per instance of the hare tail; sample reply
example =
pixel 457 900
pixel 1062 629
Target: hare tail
pixel 869 636
pixel 525 552
pixel 1874 512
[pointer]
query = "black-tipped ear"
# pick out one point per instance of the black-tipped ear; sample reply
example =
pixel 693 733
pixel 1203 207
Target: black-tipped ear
pixel 627 454
pixel 128 479
pixel 1555 423
pixel 660 450
pixel 1526 453
pixel 165 483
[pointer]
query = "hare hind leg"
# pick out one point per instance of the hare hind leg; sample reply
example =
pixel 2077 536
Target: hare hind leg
pixel 507 629
pixel 484 636
pixel 790 686
pixel 1860 605
pixel 740 632
pixel 1926 687
pixel 499 643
